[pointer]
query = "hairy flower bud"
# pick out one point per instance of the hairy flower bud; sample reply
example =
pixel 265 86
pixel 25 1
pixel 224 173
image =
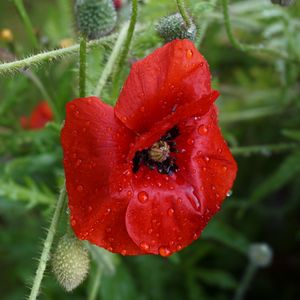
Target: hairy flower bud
pixel 283 2
pixel 260 254
pixel 70 262
pixel 173 27
pixel 95 18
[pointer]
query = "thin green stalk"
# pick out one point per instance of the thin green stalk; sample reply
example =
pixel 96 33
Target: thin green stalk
pixel 26 20
pixel 184 13
pixel 124 53
pixel 246 281
pixel 264 149
pixel 82 68
pixel 49 56
pixel 95 285
pixel 112 60
pixel 47 245
pixel 39 84
pixel 246 47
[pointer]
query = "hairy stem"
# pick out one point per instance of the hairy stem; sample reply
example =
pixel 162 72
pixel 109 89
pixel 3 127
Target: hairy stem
pixel 27 23
pixel 49 56
pixel 246 281
pixel 95 285
pixel 246 47
pixel 184 13
pixel 82 68
pixel 47 245
pixel 111 61
pixel 264 149
pixel 124 53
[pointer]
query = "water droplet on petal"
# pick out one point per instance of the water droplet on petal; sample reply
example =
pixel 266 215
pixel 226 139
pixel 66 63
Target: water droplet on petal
pixel 123 252
pixel 143 197
pixel 224 169
pixel 164 251
pixel 73 222
pixel 229 193
pixel 179 247
pixel 171 212
pixel 189 54
pixel 144 246
pixel 195 236
pixel 79 188
pixel 190 142
pixel 206 158
pixel 202 130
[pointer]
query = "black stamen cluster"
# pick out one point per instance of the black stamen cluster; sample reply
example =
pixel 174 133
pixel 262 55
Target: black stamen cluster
pixel 168 166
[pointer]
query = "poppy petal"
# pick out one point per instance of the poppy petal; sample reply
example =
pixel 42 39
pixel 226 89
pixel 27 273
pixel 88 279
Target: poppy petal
pixel 167 213
pixel 171 76
pixel 94 141
pixel 208 163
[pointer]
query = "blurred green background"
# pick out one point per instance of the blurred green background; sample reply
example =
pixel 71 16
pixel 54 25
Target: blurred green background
pixel 259 106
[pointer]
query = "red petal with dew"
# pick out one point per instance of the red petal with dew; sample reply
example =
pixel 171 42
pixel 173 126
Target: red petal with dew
pixel 94 142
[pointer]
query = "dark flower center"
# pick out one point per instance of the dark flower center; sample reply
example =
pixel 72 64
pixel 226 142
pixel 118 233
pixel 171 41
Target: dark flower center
pixel 159 155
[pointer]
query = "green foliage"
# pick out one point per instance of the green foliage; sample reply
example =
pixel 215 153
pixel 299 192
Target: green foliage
pixel 259 113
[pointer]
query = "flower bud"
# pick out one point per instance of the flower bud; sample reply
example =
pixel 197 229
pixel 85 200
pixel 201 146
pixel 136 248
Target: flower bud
pixel 70 262
pixel 6 35
pixel 283 2
pixel 173 27
pixel 260 254
pixel 95 18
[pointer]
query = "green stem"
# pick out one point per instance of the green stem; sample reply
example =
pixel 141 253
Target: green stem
pixel 263 149
pixel 124 53
pixel 47 245
pixel 49 56
pixel 82 68
pixel 39 84
pixel 26 20
pixel 111 61
pixel 95 285
pixel 246 281
pixel 184 13
pixel 246 47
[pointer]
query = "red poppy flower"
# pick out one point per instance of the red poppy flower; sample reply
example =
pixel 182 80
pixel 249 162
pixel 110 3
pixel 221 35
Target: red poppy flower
pixel 146 176
pixel 39 117
pixel 118 4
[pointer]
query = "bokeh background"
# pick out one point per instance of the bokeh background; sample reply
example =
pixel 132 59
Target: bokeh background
pixel 259 116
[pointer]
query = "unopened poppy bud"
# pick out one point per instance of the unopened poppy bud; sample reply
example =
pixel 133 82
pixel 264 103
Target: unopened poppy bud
pixel 6 35
pixel 173 27
pixel 283 2
pixel 260 254
pixel 95 18
pixel 70 262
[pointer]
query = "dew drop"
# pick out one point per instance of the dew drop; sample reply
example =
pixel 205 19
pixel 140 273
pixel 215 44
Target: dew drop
pixel 108 229
pixel 229 193
pixel 73 222
pixel 144 246
pixel 189 54
pixel 110 249
pixel 224 169
pixel 143 197
pixel 72 106
pixel 159 184
pixel 79 188
pixel 195 236
pixel 206 158
pixel 190 142
pixel 123 252
pixel 164 251
pixel 90 208
pixel 170 212
pixel 179 247
pixel 150 230
pixel 202 130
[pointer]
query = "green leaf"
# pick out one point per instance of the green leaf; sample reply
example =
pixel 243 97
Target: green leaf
pixel 226 235
pixel 288 169
pixel 292 134
pixel 217 278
